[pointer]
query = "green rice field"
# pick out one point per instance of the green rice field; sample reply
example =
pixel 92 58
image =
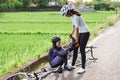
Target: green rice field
pixel 27 35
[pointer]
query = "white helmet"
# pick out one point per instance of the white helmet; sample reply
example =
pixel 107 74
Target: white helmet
pixel 64 9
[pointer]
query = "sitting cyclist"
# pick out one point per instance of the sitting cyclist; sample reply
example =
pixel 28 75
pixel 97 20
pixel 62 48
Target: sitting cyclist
pixel 57 55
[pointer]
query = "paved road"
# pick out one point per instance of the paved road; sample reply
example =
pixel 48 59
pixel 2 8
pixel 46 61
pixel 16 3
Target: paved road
pixel 107 67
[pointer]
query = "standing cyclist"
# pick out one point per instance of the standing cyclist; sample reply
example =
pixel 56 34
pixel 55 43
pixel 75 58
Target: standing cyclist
pixel 81 31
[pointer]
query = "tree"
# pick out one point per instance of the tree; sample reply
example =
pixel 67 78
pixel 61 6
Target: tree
pixel 1 1
pixel 26 3
pixel 42 3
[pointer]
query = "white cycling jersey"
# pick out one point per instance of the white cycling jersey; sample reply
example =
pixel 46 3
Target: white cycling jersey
pixel 79 22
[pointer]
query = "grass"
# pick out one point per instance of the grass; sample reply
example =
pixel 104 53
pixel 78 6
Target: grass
pixel 27 35
pixel 16 49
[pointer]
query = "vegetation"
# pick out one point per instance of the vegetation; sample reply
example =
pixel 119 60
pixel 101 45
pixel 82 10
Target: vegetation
pixel 106 5
pixel 13 4
pixel 27 4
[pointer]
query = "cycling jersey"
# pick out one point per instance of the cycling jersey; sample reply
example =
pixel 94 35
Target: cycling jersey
pixel 79 22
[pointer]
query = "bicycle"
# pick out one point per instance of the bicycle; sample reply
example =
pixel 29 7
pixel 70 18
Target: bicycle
pixel 34 76
pixel 88 49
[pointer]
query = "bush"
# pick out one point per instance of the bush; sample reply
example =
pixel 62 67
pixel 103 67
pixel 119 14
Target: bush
pixel 104 6
pixel 7 5
pixel 100 6
pixel 3 1
pixel 43 3
pixel 26 3
pixel 18 4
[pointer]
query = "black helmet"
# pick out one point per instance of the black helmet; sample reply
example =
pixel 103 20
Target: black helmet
pixel 55 39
